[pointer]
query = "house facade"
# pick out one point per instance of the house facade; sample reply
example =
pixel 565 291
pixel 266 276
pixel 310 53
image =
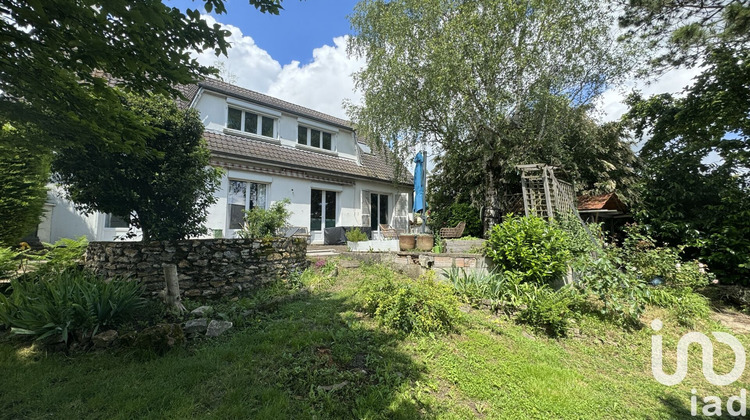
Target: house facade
pixel 271 150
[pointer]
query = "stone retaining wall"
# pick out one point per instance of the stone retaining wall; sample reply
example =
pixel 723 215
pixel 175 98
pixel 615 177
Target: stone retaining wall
pixel 206 267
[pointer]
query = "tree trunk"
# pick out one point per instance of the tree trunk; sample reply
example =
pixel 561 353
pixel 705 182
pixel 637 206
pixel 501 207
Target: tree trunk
pixel 172 295
pixel 492 208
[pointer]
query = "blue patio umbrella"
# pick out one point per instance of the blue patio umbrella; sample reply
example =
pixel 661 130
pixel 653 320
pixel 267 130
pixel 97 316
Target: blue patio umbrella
pixel 418 182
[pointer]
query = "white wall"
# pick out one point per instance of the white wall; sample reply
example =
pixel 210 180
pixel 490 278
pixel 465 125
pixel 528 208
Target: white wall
pixel 66 221
pixel 348 199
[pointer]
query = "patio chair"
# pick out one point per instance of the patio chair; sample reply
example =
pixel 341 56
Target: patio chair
pixel 388 232
pixel 453 232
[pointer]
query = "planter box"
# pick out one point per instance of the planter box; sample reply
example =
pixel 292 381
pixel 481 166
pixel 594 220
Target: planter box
pixel 390 245
pixel 457 246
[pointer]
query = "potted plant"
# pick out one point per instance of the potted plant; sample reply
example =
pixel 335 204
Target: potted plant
pixel 354 237
pixel 406 242
pixel 425 242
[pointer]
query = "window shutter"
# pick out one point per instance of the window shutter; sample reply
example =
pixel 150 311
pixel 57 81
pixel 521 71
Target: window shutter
pixel 365 208
pixel 400 213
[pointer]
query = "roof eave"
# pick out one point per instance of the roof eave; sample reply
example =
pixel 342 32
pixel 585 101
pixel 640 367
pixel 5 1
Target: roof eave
pixel 306 168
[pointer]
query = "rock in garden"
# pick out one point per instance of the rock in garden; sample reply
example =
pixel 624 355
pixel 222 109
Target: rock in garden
pixel 160 338
pixel 105 339
pixel 195 326
pixel 202 311
pixel 216 328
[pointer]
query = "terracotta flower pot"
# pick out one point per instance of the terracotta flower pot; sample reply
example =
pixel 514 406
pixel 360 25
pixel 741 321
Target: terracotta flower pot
pixel 406 242
pixel 425 242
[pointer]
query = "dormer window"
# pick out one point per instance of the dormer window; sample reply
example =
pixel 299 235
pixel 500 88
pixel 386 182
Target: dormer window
pixel 250 122
pixel 314 137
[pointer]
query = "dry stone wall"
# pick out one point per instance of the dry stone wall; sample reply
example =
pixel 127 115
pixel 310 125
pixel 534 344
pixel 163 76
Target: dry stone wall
pixel 206 267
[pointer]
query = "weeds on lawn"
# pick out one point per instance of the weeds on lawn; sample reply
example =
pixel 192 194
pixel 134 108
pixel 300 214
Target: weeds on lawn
pixel 421 306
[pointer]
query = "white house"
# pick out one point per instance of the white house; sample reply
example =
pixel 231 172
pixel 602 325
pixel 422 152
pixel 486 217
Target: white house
pixel 271 150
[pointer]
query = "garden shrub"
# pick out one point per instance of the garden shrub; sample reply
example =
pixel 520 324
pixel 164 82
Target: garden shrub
pixel 24 173
pixel 530 252
pixel 356 235
pixel 536 250
pixel 375 289
pixel 693 275
pixel 683 303
pixel 639 250
pixel 622 294
pixel 583 240
pixel 68 303
pixel 421 306
pixel 262 223
pixel 549 310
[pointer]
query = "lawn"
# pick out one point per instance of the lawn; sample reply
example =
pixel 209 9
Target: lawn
pixel 318 357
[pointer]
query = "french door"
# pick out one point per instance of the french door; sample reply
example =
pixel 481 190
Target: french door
pixel 378 210
pixel 322 209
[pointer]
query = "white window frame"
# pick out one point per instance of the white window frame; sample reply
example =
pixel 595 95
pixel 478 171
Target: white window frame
pixel 308 138
pixel 259 126
pixel 247 199
pixel 389 210
pixel 324 207
pixel 108 218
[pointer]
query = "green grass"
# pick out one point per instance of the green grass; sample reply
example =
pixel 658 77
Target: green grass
pixel 272 367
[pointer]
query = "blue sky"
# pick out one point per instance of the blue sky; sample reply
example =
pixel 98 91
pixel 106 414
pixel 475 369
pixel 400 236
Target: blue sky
pixel 293 34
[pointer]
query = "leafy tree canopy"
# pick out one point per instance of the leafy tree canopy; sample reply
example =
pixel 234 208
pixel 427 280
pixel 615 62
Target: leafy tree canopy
pixel 697 163
pixel 491 83
pixel 62 60
pixel 682 32
pixel 165 191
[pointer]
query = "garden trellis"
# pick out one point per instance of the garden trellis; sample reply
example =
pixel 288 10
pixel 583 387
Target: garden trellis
pixel 543 194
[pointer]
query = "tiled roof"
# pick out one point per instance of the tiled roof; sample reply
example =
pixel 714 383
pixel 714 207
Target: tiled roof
pixel 600 202
pixel 374 166
pixel 188 91
pixel 252 96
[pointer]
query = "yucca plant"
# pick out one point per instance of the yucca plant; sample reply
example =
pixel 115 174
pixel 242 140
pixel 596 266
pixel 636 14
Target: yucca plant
pixel 64 303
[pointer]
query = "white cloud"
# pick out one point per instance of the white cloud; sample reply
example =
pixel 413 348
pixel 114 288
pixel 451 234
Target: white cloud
pixel 612 106
pixel 253 67
pixel 322 84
